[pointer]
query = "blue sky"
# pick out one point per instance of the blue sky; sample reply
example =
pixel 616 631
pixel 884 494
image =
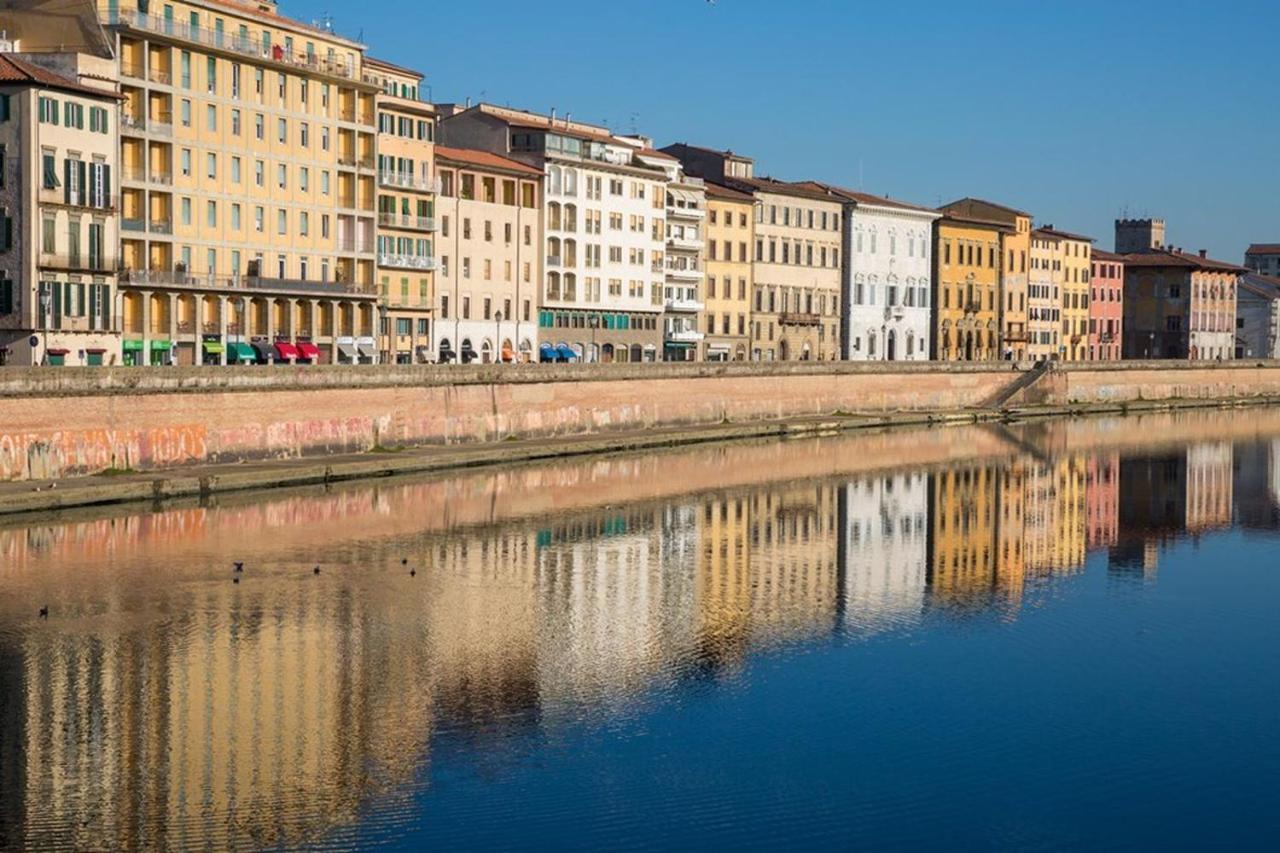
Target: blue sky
pixel 1076 110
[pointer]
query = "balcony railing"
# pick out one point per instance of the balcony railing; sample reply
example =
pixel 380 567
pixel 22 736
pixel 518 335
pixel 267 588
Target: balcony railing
pixel 412 262
pixel 130 69
pixel 336 66
pixel 694 243
pixel 130 223
pixel 799 318
pixel 302 287
pixel 81 261
pixel 680 303
pixel 685 336
pixel 894 312
pixel 156 75
pixel 79 198
pixel 686 212
pixel 684 274
pixel 553 260
pixel 408 180
pixel 160 226
pixel 355 244
pixel 413 223
pixel 161 125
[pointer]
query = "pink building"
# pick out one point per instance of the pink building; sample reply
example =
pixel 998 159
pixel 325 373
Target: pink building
pixel 1106 306
pixel 1102 499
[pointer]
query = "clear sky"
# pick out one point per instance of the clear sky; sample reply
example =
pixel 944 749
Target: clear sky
pixel 1078 111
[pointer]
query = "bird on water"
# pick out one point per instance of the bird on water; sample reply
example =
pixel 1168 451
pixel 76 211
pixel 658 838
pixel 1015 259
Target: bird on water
pixel 44 612
pixel 239 564
pixel 316 570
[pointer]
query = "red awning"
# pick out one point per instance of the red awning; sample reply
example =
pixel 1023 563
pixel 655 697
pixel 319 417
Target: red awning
pixel 56 351
pixel 309 350
pixel 284 349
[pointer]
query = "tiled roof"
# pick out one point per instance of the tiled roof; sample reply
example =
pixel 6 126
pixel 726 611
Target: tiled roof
pixel 1181 260
pixel 399 69
pixel 971 221
pixel 1263 285
pixel 252 10
pixel 1104 255
pixel 720 191
pixel 868 198
pixel 798 189
pixel 996 205
pixel 1050 231
pixel 484 159
pixel 1263 249
pixel 15 70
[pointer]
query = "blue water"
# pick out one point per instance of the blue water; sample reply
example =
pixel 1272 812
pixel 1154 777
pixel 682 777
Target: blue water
pixel 1064 642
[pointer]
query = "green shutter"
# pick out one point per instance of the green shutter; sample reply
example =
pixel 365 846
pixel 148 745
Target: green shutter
pixel 105 290
pixel 66 181
pixel 6 296
pixel 84 186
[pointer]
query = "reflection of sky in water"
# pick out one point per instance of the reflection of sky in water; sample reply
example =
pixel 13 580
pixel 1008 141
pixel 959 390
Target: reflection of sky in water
pixel 1051 635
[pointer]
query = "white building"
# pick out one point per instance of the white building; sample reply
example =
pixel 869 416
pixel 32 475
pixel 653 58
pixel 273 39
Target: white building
pixel 604 224
pixel 885 529
pixel 886 278
pixel 685 270
pixel 1258 317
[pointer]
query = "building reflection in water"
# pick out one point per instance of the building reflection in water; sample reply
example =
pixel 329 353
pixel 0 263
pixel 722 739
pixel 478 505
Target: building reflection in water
pixel 163 706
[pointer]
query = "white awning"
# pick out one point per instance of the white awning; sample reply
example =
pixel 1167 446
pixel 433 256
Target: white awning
pixel 677 194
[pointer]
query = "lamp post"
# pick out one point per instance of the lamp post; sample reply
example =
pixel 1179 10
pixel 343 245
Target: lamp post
pixel 594 322
pixel 45 298
pixel 497 336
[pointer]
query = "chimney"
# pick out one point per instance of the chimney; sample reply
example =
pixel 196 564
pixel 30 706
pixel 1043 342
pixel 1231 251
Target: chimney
pixel 553 115
pixel 1203 253
pixel 567 118
pixel 468 102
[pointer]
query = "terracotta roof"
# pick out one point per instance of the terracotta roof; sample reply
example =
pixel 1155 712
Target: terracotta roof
pixel 1263 285
pixel 400 69
pixel 252 10
pixel 798 189
pixel 1182 260
pixel 956 219
pixel 724 193
pixel 1263 249
pixel 649 152
pixel 1003 207
pixel 1104 255
pixel 706 150
pixel 484 159
pixel 15 70
pixel 1063 235
pixel 868 198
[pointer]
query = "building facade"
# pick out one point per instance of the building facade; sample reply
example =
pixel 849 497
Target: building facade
pixel 1258 316
pixel 1015 256
pixel 1263 258
pixel 406 223
pixel 490 251
pixel 966 258
pixel 59 209
pixel 1138 235
pixel 1044 296
pixel 795 313
pixel 247 187
pixel 729 285
pixel 604 267
pixel 683 299
pixel 1179 305
pixel 886 278
pixel 1069 276
pixel 1106 305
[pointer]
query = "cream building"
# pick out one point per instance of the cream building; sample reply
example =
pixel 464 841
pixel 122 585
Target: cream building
pixel 796 310
pixel 247 186
pixel 730 241
pixel 604 267
pixel 683 294
pixel 1070 276
pixel 59 207
pixel 406 212
pixel 489 243
pixel 1044 296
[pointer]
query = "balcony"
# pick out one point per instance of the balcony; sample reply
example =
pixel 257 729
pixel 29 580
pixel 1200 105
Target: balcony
pixel 677 212
pixel 133 70
pixel 408 181
pixel 686 336
pixel 348 161
pixel 553 260
pixel 298 287
pixel 799 318
pixel 692 244
pixel 136 126
pixel 683 304
pixel 411 262
pixel 128 223
pixel 411 223
pixel 681 274
pixel 79 262
pixel 160 226
pixel 972 307
pixel 78 198
pixel 894 312
pixel 181 31
pixel 359 246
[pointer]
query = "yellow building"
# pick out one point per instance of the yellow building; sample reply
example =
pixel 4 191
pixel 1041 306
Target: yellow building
pixel 489 256
pixel 730 236
pixel 962 544
pixel 1014 251
pixel 406 212
pixel 247 187
pixel 1070 276
pixel 966 283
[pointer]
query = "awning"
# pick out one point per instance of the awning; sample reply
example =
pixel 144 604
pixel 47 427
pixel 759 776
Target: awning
pixel 163 344
pixel 263 349
pixel 56 351
pixel 678 345
pixel 95 350
pixel 368 350
pixel 349 350
pixel 242 351
pixel 213 347
pixel 547 352
pixel 717 347
pixel 132 345
pixel 567 352
pixel 309 350
pixel 683 195
pixel 285 349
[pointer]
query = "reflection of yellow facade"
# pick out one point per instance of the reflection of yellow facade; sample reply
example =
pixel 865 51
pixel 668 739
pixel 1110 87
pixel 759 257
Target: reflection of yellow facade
pixel 962 556
pixel 1055 516
pixel 1011 561
pixel 966 289
pixel 724 573
pixel 1210 486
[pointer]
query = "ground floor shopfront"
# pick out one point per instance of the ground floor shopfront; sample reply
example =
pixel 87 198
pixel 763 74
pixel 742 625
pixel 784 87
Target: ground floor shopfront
pixel 602 336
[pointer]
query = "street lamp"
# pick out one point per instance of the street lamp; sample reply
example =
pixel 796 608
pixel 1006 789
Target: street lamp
pixel 594 322
pixel 45 298
pixel 497 336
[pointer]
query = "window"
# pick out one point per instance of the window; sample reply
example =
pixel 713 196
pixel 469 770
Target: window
pixel 235 170
pixel 259 173
pixel 259 126
pixel 235 122
pixel 211 213
pixel 282 130
pixel 184 112
pixel 282 221
pixel 211 165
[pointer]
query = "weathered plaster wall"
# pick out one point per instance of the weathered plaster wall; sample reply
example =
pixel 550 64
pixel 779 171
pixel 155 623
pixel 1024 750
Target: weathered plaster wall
pixel 63 423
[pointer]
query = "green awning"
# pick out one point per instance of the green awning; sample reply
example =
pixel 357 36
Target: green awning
pixel 132 345
pixel 678 345
pixel 160 345
pixel 243 351
pixel 213 347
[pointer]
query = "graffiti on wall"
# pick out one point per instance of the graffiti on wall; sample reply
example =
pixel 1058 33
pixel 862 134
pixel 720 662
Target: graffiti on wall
pixel 64 453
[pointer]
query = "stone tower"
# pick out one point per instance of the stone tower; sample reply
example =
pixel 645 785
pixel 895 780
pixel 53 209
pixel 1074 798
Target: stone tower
pixel 1138 235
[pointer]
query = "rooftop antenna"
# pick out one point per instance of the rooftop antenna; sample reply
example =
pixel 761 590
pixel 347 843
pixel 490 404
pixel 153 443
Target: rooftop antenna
pixel 635 124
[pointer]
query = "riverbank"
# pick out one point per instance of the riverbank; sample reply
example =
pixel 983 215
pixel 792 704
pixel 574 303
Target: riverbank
pixel 124 486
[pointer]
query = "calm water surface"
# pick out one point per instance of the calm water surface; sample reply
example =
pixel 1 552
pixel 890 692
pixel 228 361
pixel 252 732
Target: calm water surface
pixel 1048 636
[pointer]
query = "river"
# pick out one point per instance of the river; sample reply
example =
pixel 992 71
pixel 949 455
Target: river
pixel 1059 634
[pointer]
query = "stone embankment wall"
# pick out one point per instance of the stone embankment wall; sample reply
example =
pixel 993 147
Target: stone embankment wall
pixel 58 422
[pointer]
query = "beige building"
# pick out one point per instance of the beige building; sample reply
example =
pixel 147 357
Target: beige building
pixel 1044 296
pixel 406 212
pixel 1071 278
pixel 730 239
pixel 59 210
pixel 489 243
pixel 247 186
pixel 796 304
